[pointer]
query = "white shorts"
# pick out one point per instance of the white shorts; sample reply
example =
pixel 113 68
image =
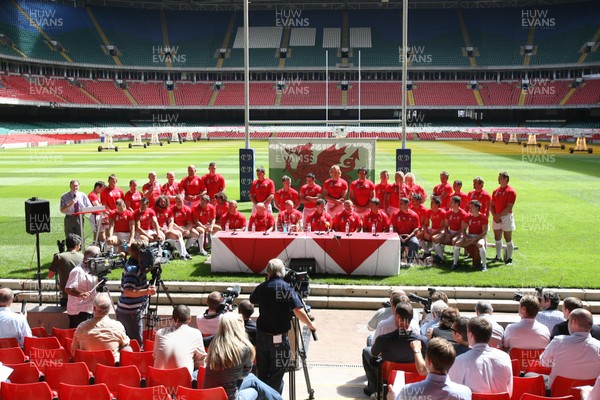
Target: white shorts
pixel 151 232
pixel 122 236
pixel 334 208
pixel 507 223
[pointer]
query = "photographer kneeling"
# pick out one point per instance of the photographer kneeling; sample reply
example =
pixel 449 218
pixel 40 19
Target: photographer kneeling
pixel 80 289
pixel 135 293
pixel 276 300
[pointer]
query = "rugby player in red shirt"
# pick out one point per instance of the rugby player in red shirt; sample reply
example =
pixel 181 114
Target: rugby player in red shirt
pixel 133 197
pixel 213 182
pixel 481 195
pixel 262 190
pixel 376 218
pixel 464 198
pixel 320 220
pixel 406 222
pixel 192 185
pixel 166 225
pixel 382 189
pixel 474 229
pixel 335 190
pixel 261 220
pixel 183 221
pixel 417 206
pixel 434 228
pixel 233 219
pixel 290 217
pixel 309 194
pixel 222 206
pixel 204 215
pixel 397 191
pixel 146 224
pixel 413 188
pixel 121 226
pixel 503 200
pixel 443 190
pixel 347 216
pixel 287 192
pixel 361 191
pixel 99 222
pixel 151 189
pixel 111 193
pixel 171 188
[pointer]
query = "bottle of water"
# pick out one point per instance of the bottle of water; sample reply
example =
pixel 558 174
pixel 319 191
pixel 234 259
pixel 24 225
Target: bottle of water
pixel 391 228
pixel 347 227
pixel 226 226
pixel 309 227
pixel 285 228
pixel 253 227
pixel 125 246
pixel 373 229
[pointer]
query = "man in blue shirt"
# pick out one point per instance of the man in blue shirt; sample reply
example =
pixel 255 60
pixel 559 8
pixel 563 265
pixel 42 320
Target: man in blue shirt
pixel 12 325
pixel 278 302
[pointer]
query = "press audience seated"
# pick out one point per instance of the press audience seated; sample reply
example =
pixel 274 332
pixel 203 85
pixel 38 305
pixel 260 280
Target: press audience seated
pixel 550 315
pixel 528 333
pixel 484 308
pixel 570 304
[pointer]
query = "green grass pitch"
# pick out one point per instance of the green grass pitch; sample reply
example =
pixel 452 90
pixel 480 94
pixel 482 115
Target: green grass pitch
pixel 557 210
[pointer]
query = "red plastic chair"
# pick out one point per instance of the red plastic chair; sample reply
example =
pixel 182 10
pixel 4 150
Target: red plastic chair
pixel 200 377
pixel 68 346
pixel 49 358
pixel 529 396
pixel 9 342
pixel 84 392
pixel 95 357
pixel 39 331
pixel 170 378
pixel 387 367
pixel 516 367
pixel 148 345
pixel 40 343
pixel 491 396
pixel 217 393
pixel 63 334
pixel 533 385
pixel 12 355
pixel 25 373
pixel 409 377
pixel 113 377
pixel 149 393
pixel 71 373
pixel 135 345
pixel 526 357
pixel 576 393
pixel 562 386
pixel 26 391
pixel 142 360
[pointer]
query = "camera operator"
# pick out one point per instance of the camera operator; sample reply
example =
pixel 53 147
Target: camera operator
pixel 209 322
pixel 135 292
pixel 80 290
pixel 277 301
pixel 64 262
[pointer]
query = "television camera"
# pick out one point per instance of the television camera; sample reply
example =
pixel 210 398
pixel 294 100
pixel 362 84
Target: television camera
pixel 230 294
pixel 425 301
pixel 103 264
pixel 153 256
pixel 299 281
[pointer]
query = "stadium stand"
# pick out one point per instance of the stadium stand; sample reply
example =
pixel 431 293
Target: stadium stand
pixel 588 93
pixel 443 93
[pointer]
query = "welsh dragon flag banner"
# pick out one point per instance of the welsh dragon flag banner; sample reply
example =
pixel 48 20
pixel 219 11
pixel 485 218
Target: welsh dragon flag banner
pixel 297 157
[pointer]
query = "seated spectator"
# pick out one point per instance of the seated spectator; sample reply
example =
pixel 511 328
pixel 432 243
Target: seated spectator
pixel 101 332
pixel 179 345
pixel 12 325
pixel 394 346
pixel 483 369
pixel 550 315
pixel 426 315
pixel 388 325
pixel 229 362
pixel 576 356
pixel 209 322
pixel 444 328
pixel 562 328
pixel 527 333
pixel 246 309
pixel 63 263
pixel 459 334
pixel 436 311
pixel 439 358
pixel 261 220
pixel 384 312
pixel 81 289
pixel 484 308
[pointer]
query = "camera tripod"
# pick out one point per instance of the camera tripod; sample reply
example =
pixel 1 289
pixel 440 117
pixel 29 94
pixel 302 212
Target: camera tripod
pixel 300 351
pixel 152 311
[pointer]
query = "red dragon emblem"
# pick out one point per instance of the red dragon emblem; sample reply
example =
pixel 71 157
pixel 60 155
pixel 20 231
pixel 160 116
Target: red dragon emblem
pixel 303 155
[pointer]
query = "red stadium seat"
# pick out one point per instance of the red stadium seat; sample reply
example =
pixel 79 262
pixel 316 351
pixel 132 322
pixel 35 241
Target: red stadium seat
pixel 217 393
pixel 12 355
pixel 170 378
pixel 84 392
pixel 409 377
pixel 95 357
pixel 142 360
pixel 113 377
pixel 562 386
pixel 200 376
pixel 25 373
pixel 48 358
pixel 40 343
pixel 387 367
pixel 8 342
pixel 135 345
pixel 516 367
pixel 526 357
pixel 26 391
pixel 76 373
pixel 149 393
pixel 528 396
pixel 534 385
pixel 69 347
pixel 490 396
pixel 148 345
pixel 39 331
pixel 63 334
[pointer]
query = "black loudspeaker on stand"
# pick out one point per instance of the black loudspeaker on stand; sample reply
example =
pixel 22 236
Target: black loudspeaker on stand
pixel 37 220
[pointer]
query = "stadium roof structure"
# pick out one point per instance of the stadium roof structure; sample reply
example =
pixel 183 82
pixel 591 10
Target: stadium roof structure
pixel 222 5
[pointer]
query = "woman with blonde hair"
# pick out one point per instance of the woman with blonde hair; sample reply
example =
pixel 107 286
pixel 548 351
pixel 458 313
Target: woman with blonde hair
pixel 229 362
